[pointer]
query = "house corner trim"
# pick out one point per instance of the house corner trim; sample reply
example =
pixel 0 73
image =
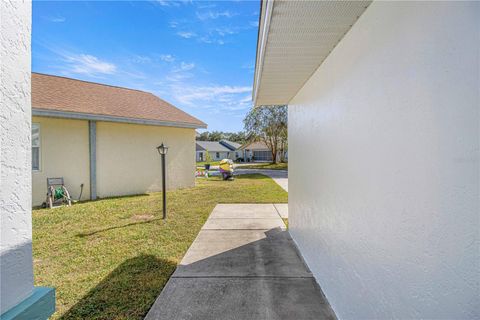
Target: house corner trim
pixel 92 139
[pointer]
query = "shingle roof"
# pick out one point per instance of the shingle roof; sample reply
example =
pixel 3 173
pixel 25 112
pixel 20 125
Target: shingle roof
pixel 211 146
pixel 54 94
pixel 258 145
pixel 230 144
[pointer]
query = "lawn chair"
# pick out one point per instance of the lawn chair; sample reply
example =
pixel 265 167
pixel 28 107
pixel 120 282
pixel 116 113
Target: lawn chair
pixel 57 193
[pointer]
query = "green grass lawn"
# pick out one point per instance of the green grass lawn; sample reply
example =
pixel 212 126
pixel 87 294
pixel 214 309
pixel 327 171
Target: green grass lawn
pixel 109 259
pixel 272 166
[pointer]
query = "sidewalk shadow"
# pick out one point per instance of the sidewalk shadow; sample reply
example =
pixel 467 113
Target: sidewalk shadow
pixel 127 292
pixel 260 276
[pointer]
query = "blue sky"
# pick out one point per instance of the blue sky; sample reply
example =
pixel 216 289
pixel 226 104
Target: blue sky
pixel 197 55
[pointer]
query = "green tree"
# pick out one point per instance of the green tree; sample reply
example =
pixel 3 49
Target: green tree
pixel 203 136
pixel 216 136
pixel 208 158
pixel 269 124
pixel 239 137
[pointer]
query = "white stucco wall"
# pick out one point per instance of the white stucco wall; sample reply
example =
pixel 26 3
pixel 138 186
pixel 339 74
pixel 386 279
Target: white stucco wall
pixel 387 214
pixel 16 276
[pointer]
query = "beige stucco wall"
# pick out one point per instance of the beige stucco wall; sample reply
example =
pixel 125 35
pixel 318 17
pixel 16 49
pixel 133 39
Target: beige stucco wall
pixel 127 159
pixel 63 153
pixel 128 162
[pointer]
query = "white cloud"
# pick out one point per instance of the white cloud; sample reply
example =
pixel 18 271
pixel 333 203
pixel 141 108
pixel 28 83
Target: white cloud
pixel 206 15
pixel 133 74
pixel 205 6
pixel 186 34
pixel 167 57
pixel 183 67
pixel 176 77
pixel 249 66
pixel 208 39
pixel 253 23
pixel 223 31
pixel 213 97
pixel 187 66
pixel 57 19
pixel 185 2
pixel 89 65
pixel 167 3
pixel 141 59
pixel 246 99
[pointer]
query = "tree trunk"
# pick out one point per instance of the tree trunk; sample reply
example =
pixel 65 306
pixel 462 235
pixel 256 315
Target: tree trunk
pixel 282 151
pixel 274 150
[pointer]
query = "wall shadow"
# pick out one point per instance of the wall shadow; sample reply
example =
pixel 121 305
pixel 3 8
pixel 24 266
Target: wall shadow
pixel 223 279
pixel 91 233
pixel 127 292
pixel 241 175
pixel 16 276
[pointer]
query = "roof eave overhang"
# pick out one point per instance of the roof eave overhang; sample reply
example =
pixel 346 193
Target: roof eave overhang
pixel 97 117
pixel 283 42
pixel 264 27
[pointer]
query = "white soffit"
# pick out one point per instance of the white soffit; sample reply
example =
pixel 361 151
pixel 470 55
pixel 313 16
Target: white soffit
pixel 294 38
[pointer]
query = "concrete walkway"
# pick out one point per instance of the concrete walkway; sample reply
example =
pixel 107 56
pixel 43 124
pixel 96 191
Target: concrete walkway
pixel 282 209
pixel 242 265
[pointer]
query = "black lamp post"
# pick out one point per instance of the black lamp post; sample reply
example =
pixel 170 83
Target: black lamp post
pixel 162 150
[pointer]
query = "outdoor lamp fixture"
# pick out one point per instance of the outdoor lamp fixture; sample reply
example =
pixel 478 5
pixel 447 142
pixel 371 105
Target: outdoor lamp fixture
pixel 162 150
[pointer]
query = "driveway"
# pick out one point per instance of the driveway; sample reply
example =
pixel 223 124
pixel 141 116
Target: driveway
pixel 242 265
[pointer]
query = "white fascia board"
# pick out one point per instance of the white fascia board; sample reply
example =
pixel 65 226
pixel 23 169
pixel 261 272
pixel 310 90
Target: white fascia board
pixel 97 117
pixel 264 27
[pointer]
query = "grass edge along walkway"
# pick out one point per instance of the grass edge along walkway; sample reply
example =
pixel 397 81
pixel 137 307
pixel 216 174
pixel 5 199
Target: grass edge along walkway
pixel 109 259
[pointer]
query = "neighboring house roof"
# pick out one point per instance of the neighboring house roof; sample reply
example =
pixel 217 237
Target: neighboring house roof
pixel 62 97
pixel 258 145
pixel 211 146
pixel 230 144
pixel 294 39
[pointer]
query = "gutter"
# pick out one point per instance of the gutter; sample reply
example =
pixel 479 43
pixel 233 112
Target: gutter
pixel 261 47
pixel 98 117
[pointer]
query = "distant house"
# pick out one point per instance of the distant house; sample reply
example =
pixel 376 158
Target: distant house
pixel 258 151
pixel 105 137
pixel 218 150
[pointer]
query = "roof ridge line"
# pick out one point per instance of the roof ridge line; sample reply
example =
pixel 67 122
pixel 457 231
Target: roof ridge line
pixel 97 83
